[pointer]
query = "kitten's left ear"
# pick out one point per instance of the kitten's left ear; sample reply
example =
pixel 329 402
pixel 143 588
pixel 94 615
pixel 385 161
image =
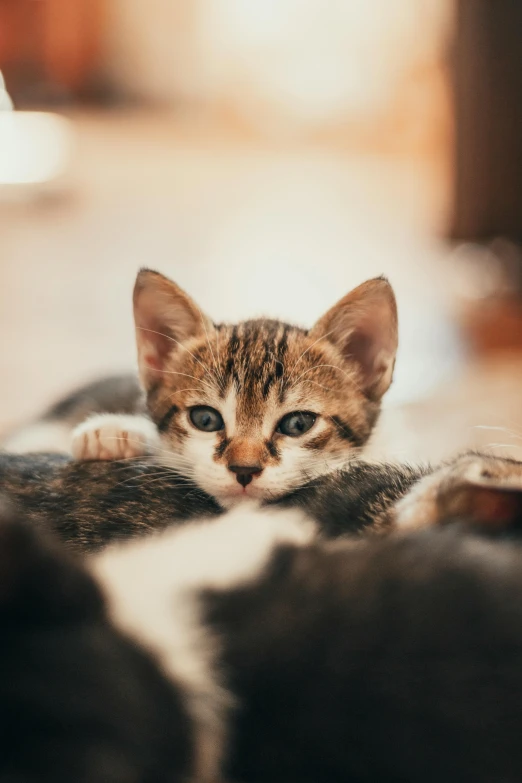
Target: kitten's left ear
pixel 363 326
pixel 165 317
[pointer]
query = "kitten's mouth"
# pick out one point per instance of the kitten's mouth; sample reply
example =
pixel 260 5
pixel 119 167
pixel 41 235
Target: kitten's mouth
pixel 236 492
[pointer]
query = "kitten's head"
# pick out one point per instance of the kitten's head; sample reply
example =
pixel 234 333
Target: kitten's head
pixel 259 408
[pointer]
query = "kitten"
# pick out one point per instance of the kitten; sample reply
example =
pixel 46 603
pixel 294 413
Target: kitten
pixel 255 409
pixel 90 504
pixel 251 650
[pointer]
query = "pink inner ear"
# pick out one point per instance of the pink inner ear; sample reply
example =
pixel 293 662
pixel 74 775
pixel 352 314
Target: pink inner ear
pixel 372 344
pixel 154 346
pixel 361 346
pixel 152 361
pixel 152 332
pixel 363 326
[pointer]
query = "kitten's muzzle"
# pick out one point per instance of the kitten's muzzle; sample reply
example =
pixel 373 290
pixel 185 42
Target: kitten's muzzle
pixel 245 473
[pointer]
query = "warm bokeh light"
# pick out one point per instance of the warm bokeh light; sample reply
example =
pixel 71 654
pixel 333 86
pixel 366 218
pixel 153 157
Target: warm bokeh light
pixel 268 155
pixel 34 147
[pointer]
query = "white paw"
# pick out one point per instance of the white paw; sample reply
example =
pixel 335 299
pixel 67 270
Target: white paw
pixel 114 436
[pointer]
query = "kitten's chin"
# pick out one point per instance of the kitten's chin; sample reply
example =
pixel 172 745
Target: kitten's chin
pixel 231 496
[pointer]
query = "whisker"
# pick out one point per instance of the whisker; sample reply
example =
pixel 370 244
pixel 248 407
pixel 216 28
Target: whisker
pixel 136 458
pixel 144 481
pixel 324 336
pixel 175 461
pixel 160 471
pixel 503 446
pixel 507 431
pixel 184 469
pixel 170 395
pixel 318 366
pixel 217 374
pixel 164 476
pixel 187 375
pixel 126 463
pixel 321 386
pixel 173 339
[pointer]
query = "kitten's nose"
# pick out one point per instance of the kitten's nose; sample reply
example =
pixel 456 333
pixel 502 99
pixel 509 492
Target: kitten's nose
pixel 245 473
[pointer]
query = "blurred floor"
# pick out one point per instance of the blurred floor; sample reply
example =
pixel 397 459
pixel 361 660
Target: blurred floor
pixel 479 408
pixel 246 228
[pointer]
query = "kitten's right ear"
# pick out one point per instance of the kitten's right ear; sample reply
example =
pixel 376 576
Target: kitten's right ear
pixel 363 326
pixel 165 317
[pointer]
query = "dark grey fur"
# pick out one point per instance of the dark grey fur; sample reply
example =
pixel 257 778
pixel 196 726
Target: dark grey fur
pixel 398 660
pixel 89 504
pixel 79 702
pixel 355 499
pixel 113 394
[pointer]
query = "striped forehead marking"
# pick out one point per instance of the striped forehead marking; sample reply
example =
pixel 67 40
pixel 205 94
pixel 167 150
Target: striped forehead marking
pixel 256 353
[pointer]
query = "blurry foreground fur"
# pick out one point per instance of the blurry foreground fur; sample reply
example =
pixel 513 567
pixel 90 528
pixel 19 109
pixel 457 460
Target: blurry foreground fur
pixel 272 655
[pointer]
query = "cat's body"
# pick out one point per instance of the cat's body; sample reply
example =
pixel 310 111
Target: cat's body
pixel 279 657
pixel 398 660
pixel 252 646
pixel 91 504
pixel 88 505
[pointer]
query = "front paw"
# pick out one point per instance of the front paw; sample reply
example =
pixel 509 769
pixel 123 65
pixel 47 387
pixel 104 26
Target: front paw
pixel 113 437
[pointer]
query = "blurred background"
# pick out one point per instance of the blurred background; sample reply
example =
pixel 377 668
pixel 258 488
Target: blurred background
pixel 269 155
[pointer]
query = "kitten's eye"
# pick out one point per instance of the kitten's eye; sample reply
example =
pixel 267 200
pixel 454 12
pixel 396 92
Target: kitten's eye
pixel 206 419
pixel 297 423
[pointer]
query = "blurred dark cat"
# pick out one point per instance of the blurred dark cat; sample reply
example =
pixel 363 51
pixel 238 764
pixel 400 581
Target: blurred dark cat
pixel 79 701
pixel 248 648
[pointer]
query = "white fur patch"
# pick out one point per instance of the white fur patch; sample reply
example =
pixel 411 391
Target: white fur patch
pixel 229 411
pixel 153 586
pixel 112 436
pixel 50 436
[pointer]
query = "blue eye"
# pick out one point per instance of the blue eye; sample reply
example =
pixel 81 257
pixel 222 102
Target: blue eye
pixel 296 424
pixel 206 419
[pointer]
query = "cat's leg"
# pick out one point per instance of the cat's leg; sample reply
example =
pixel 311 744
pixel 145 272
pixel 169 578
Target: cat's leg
pixel 111 436
pixel 483 491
